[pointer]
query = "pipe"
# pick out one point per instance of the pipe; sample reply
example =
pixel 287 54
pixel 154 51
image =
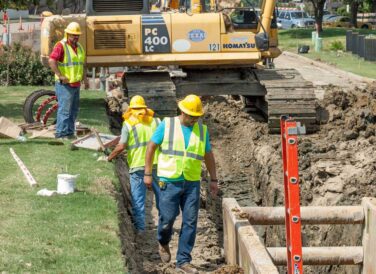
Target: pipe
pixel 343 255
pixel 309 215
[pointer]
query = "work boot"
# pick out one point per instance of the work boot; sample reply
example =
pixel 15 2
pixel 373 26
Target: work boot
pixel 186 268
pixel 164 253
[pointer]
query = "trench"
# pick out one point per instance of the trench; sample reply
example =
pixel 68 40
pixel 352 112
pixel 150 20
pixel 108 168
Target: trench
pixel 337 167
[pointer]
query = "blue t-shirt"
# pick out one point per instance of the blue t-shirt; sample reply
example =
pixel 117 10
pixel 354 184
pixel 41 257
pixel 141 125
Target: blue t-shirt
pixel 157 138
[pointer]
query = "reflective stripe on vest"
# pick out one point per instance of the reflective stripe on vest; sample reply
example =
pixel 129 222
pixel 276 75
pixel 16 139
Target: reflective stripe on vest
pixel 73 63
pixel 139 136
pixel 174 159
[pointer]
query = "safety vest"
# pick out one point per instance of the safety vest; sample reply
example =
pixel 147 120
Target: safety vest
pixel 72 66
pixel 174 159
pixel 139 136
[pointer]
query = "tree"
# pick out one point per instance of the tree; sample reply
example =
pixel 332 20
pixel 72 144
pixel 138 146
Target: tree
pixel 371 4
pixel 354 8
pixel 318 7
pixel 15 4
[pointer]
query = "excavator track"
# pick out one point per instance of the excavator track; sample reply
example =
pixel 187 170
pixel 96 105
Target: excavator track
pixel 287 94
pixel 157 89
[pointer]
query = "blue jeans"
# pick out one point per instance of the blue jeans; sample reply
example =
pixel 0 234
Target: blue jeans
pixel 138 192
pixel 185 195
pixel 68 104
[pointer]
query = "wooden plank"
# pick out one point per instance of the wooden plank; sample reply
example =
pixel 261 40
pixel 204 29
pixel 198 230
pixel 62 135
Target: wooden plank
pixel 25 171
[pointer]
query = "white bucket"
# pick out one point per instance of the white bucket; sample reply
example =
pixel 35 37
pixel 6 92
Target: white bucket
pixel 66 183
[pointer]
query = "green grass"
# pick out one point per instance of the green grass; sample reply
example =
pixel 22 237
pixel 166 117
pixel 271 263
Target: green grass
pixel 77 233
pixel 290 39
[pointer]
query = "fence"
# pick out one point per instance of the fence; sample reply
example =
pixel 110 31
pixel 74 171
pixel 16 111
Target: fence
pixel 361 45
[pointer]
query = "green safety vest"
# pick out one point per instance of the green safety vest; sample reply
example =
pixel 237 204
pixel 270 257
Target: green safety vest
pixel 139 136
pixel 174 159
pixel 72 66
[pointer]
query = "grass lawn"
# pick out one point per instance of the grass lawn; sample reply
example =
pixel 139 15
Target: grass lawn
pixel 77 233
pixel 290 39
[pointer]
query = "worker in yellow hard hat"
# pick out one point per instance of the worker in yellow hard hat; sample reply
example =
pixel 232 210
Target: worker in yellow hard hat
pixel 184 143
pixel 67 61
pixel 138 127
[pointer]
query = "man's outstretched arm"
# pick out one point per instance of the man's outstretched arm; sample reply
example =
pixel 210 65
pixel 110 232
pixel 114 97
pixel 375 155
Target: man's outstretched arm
pixel 149 159
pixel 210 165
pixel 117 150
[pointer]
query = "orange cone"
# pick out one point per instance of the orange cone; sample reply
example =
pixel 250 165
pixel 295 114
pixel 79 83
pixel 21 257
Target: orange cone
pixel 20 24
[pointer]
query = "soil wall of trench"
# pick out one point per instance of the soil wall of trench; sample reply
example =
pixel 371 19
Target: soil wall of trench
pixel 337 167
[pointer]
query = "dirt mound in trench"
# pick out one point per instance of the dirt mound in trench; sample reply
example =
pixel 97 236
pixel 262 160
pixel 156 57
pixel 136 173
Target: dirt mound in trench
pixel 337 164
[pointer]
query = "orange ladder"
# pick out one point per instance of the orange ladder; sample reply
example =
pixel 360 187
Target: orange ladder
pixel 290 129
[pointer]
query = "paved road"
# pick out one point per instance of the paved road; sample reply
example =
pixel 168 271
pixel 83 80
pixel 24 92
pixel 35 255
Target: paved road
pixel 26 27
pixel 320 75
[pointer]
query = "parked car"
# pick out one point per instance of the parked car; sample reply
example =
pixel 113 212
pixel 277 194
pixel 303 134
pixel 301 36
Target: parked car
pixel 328 17
pixel 366 25
pixel 338 22
pixel 295 19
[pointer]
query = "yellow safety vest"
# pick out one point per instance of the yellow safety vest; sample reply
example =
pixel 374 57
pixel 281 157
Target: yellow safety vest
pixel 72 66
pixel 139 136
pixel 174 159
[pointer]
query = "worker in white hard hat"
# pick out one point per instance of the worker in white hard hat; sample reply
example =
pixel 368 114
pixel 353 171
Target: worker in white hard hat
pixel 67 61
pixel 184 144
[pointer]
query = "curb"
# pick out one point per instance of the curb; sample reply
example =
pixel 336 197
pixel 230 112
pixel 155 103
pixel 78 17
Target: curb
pixel 331 68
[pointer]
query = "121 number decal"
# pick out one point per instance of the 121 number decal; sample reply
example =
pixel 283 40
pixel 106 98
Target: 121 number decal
pixel 214 47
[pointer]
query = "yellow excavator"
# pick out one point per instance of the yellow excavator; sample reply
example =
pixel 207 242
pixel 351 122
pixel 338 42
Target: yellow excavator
pixel 175 47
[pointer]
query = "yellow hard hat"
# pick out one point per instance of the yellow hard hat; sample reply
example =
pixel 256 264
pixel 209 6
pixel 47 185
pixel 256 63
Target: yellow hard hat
pixel 73 28
pixel 191 105
pixel 46 13
pixel 137 102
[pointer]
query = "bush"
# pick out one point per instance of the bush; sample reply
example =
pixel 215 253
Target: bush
pixel 23 66
pixel 336 45
pixel 342 11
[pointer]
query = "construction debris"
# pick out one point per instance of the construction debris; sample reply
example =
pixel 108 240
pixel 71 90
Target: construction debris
pixel 23 168
pixel 46 192
pixel 91 141
pixel 38 130
pixel 8 129
pixel 44 133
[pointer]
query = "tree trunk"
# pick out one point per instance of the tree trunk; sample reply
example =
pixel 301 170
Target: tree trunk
pixel 373 6
pixel 354 13
pixel 318 6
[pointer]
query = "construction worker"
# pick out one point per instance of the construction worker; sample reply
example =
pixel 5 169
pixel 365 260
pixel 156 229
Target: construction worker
pixel 67 61
pixel 184 143
pixel 138 127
